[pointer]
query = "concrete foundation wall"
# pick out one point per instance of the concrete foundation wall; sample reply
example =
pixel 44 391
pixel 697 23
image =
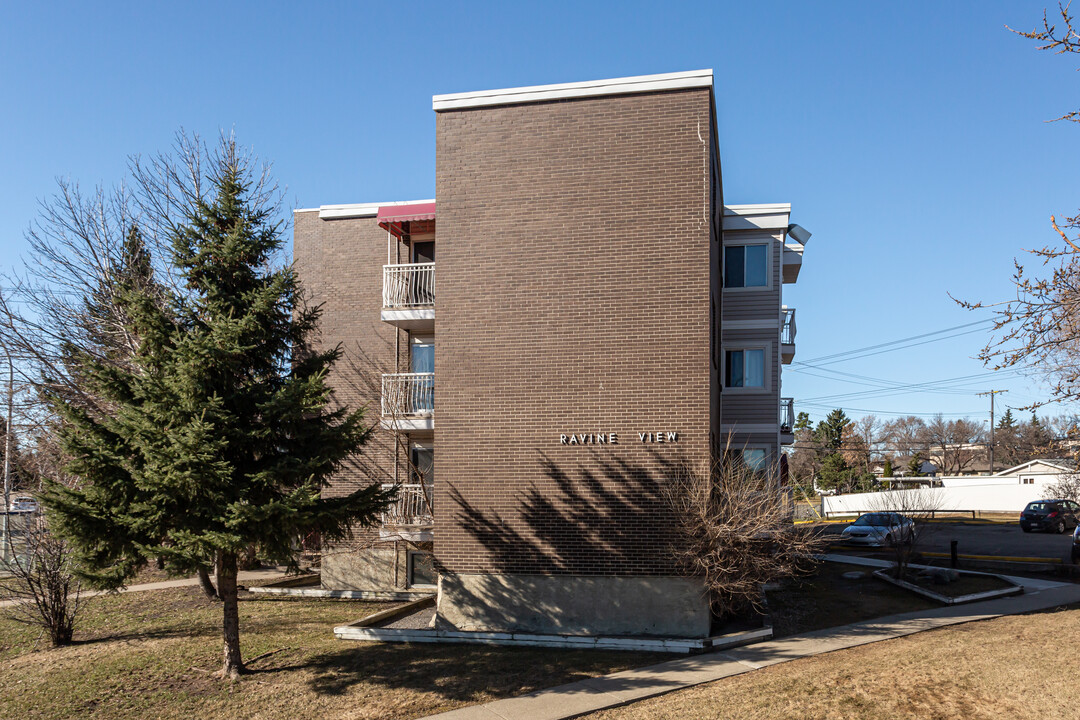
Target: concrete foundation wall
pixel 380 568
pixel 571 605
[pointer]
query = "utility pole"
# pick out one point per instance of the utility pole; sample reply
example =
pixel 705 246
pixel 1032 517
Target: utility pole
pixel 991 393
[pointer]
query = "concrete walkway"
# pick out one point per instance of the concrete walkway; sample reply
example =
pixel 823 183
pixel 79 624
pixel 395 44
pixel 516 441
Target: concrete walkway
pixel 242 577
pixel 580 698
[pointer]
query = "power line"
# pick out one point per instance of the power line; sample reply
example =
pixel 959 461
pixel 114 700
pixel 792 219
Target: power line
pixel 825 406
pixel 859 352
pixel 895 388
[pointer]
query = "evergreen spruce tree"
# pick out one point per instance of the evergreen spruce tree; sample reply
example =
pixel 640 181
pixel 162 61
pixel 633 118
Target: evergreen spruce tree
pixel 914 465
pixel 1006 422
pixel 888 470
pixel 830 431
pixel 219 432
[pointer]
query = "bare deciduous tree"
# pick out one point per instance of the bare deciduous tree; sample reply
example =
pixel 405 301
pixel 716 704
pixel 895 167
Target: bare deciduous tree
pixel 735 533
pixel 905 436
pixel 1039 329
pixel 42 585
pixel 954 444
pixel 918 504
pixel 1066 486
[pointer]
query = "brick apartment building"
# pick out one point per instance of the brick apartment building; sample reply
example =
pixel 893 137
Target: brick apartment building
pixel 594 319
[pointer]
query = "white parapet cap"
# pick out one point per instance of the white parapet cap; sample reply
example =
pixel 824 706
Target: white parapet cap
pixel 356 210
pixel 768 216
pixel 591 88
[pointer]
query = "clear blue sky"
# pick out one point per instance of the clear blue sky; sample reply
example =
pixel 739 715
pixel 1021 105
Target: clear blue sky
pixel 910 137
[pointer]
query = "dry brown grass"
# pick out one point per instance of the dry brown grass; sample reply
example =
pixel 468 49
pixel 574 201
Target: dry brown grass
pixel 149 655
pixel 1011 667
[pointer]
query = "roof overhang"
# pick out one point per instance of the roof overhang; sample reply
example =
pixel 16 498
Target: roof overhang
pixel 394 218
pixel 360 210
pixel 563 91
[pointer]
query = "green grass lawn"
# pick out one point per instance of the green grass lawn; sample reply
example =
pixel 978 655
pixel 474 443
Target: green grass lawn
pixel 151 655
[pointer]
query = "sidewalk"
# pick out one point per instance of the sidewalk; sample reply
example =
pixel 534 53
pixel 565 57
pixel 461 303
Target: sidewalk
pixel 242 577
pixel 579 698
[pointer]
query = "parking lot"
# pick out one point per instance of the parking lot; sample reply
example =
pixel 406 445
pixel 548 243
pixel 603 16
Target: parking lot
pixel 987 539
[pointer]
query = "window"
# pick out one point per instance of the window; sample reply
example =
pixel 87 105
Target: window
pixel 755 458
pixel 746 266
pixel 744 368
pixel 421 569
pixel 1027 481
pixel 423 464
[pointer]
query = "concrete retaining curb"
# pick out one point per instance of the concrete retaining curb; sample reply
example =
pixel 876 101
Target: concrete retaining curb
pixel 595 642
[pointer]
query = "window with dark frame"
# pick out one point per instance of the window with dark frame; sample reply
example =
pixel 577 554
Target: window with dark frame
pixel 744 368
pixel 746 266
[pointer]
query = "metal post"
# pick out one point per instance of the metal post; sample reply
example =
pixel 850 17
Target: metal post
pixel 7 455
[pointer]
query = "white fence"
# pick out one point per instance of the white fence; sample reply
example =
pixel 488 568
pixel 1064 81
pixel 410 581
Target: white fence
pixel 411 285
pixel 990 497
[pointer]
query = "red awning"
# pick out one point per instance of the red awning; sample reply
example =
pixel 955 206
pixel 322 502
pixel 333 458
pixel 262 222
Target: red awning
pixel 391 217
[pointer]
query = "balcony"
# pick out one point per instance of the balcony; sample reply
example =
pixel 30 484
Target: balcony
pixel 787 421
pixel 411 516
pixel 409 296
pixel 787 335
pixel 408 401
pixel 792 262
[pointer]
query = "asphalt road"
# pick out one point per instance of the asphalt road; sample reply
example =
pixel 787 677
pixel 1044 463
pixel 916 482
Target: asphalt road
pixel 989 539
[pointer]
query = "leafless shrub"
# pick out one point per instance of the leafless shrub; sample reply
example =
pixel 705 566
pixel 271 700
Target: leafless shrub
pixel 921 505
pixel 41 585
pixel 735 532
pixel 1066 487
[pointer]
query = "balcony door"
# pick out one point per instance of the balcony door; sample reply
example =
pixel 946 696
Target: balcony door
pixel 422 357
pixel 423 285
pixel 423 464
pixel 423 252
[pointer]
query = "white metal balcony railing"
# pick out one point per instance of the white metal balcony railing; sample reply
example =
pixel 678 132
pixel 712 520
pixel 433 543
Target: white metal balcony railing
pixel 408 395
pixel 787 414
pixel 787 332
pixel 413 506
pixel 409 286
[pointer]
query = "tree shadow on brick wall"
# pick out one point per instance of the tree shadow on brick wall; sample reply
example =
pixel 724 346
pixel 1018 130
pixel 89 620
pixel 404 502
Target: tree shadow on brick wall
pixel 591 519
pixel 600 516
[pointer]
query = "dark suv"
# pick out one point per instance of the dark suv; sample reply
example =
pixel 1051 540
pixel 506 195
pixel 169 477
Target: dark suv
pixel 1050 515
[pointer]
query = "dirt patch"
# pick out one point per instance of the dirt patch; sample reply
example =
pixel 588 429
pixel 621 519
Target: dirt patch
pixel 828 599
pixel 965 584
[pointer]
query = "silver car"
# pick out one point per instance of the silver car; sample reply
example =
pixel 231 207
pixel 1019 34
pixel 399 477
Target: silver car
pixel 879 529
pixel 23 504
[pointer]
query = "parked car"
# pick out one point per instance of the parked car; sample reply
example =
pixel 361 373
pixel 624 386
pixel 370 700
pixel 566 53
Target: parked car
pixel 1050 516
pixel 879 529
pixel 23 504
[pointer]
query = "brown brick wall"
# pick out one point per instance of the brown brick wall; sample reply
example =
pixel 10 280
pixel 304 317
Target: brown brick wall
pixel 340 264
pixel 573 296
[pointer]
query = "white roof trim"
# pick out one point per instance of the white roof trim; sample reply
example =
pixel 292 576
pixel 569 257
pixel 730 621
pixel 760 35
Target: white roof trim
pixel 591 88
pixel 758 209
pixel 357 210
pixel 1029 463
pixel 772 216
